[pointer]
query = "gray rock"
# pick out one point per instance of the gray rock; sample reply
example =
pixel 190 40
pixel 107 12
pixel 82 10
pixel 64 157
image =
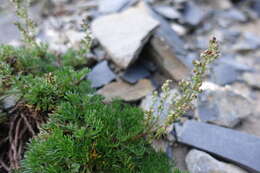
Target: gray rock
pixel 135 72
pixel 237 147
pixel 168 12
pixel 231 16
pixel 193 14
pixel 220 71
pixel 201 162
pixel 179 29
pixel 252 79
pixel 222 106
pixel 220 4
pixel 101 75
pixel 256 6
pixel 250 42
pixel 9 33
pixel 179 154
pixel 125 91
pixel 124 34
pixel 108 6
pixel 231 61
pixel 167 48
pixel 10 101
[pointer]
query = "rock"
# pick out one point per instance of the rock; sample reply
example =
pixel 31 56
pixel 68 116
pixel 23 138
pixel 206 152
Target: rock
pixel 237 147
pixel 126 91
pixel 256 6
pixel 179 29
pixel 135 72
pixel 124 34
pixel 167 48
pixel 179 153
pixel 220 71
pixel 9 102
pixel 249 43
pixel 252 79
pixel 250 125
pixel 167 11
pixel 193 14
pixel 220 4
pixel 242 89
pixel 201 162
pixel 235 14
pixel 101 75
pixel 9 33
pixel 231 61
pixel 222 106
pixel 108 6
pixel 231 16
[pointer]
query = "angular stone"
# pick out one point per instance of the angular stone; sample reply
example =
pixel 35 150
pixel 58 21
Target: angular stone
pixel 250 42
pixel 126 91
pixel 201 162
pixel 193 14
pixel 9 33
pixel 180 30
pixel 10 101
pixel 220 77
pixel 220 4
pixel 108 6
pixel 124 34
pixel 236 147
pixel 256 6
pixel 167 11
pixel 135 72
pixel 101 75
pixel 167 48
pixel 252 79
pixel 222 106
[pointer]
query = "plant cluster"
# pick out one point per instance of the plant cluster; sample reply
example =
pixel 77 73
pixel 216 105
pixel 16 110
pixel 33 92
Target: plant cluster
pixel 189 89
pixel 69 126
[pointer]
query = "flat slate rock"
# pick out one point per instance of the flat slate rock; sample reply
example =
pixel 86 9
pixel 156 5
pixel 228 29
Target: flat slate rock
pixel 237 147
pixel 101 75
pixel 168 12
pixel 193 14
pixel 108 6
pixel 125 91
pixel 124 34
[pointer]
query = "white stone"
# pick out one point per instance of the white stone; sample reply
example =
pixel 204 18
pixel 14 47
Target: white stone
pixel 201 162
pixel 124 34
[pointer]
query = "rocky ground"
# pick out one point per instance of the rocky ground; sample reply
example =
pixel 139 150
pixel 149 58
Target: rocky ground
pixel 138 44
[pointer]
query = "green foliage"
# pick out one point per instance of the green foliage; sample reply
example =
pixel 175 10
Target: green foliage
pixel 85 135
pixel 82 134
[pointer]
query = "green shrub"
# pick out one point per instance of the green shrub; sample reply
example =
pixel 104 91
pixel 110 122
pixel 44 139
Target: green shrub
pixel 82 133
pixel 85 135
